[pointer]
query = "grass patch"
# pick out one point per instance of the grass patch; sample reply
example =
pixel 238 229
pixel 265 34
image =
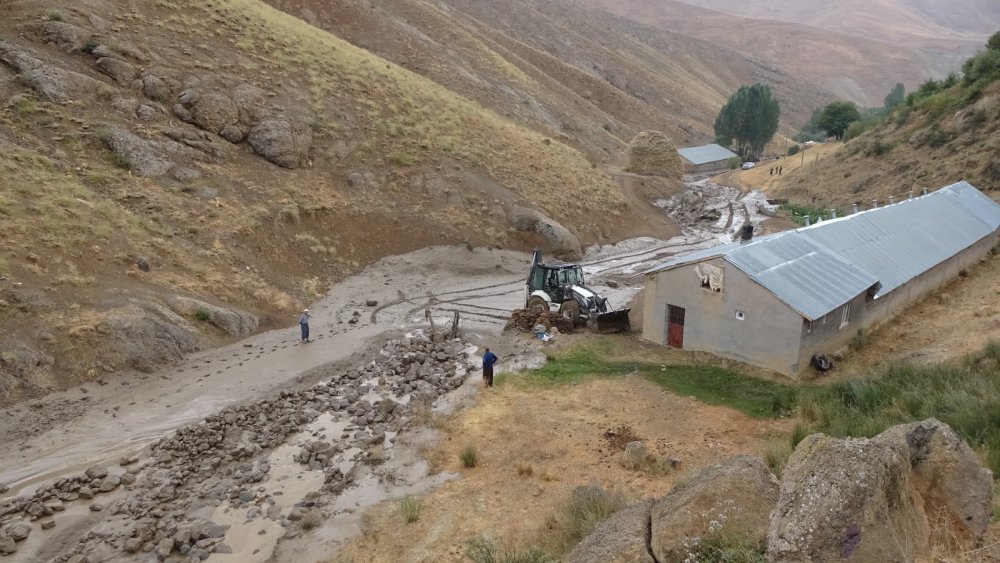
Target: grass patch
pixel 411 508
pixel 586 507
pixel 754 397
pixel 965 394
pixel 720 547
pixel 798 213
pixel 469 456
pixel 484 550
pixel 202 314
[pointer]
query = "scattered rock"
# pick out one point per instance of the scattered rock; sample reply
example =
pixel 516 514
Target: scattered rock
pixel 18 531
pixel 96 472
pixel 144 264
pixel 371 302
pixel 7 546
pixel 356 180
pixel 119 70
pixel 280 142
pixel 140 155
pixel 210 110
pixel 110 483
pixel 21 360
pixel 48 524
pixel 188 174
pixel 147 112
pixel 68 37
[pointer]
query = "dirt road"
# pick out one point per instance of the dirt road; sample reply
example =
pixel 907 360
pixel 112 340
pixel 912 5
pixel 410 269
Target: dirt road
pixel 117 417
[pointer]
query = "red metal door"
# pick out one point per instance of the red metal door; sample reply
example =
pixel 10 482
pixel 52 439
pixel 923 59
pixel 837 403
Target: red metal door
pixel 675 326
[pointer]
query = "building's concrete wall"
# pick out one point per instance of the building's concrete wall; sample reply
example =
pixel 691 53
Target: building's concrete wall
pixel 883 308
pixel 716 166
pixel 768 336
pixel 826 335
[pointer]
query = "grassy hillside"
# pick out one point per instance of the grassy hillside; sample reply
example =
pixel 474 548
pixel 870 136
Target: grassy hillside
pixel 945 137
pixel 114 126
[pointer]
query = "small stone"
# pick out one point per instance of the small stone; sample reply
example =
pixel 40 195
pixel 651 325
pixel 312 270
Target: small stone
pixel 48 524
pixel 96 473
pixel 128 460
pixel 18 531
pixel 132 545
pixel 165 548
pixel 144 264
pixel 371 302
pixel 110 483
pixel 96 507
pixel 247 496
pixel 86 493
pixel 7 546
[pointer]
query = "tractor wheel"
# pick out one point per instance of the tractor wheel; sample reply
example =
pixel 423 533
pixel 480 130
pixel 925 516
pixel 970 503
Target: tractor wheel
pixel 570 311
pixel 537 305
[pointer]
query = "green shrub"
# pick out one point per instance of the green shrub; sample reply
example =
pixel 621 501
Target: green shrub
pixel 984 67
pixel 469 456
pixel 856 129
pixel 202 314
pixel 777 456
pixel 120 161
pixel 403 159
pixel 860 340
pixel 878 147
pixel 411 508
pixel 734 162
pixel 793 150
pixel 54 16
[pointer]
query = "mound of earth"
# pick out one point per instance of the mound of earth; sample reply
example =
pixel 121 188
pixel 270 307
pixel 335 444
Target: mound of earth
pixel 525 320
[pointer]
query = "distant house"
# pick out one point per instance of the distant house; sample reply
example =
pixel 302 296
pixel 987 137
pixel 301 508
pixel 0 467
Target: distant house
pixel 778 300
pixel 706 158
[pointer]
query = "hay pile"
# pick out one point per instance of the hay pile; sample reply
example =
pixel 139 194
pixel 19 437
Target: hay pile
pixel 651 153
pixel 525 320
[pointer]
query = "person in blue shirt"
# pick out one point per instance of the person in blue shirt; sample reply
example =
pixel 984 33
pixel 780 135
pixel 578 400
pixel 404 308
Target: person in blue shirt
pixel 489 358
pixel 304 324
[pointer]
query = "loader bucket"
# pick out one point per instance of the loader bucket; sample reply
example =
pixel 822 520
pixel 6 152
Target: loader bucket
pixel 612 321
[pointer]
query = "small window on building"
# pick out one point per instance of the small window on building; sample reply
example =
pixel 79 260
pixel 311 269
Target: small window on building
pixel 845 317
pixel 740 315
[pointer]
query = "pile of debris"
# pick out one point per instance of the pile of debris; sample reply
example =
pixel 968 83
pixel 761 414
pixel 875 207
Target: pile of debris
pixel 525 321
pixel 225 458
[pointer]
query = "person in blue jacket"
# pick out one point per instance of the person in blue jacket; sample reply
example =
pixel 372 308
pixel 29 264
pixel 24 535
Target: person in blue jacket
pixel 304 324
pixel 489 358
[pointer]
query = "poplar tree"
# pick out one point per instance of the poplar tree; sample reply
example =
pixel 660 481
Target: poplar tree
pixel 748 121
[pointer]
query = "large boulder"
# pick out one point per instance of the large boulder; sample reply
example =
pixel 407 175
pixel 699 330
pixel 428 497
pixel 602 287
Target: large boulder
pixel 120 71
pixel 147 335
pixel 651 153
pixel 140 155
pixel 559 237
pixel 20 360
pixel 234 322
pixel 51 82
pixel 281 142
pixel 948 475
pixel 848 499
pixel 735 496
pixel 622 538
pixel 68 37
pixel 210 110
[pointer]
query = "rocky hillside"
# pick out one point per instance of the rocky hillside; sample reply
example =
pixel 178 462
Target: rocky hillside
pixel 179 172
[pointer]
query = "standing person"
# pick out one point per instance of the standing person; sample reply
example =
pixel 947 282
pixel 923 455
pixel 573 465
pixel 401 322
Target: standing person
pixel 489 358
pixel 780 168
pixel 304 324
pixel 772 172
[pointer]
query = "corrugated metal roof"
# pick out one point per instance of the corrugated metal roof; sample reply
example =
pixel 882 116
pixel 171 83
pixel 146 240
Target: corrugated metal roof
pixel 819 268
pixel 899 242
pixel 706 153
pixel 804 275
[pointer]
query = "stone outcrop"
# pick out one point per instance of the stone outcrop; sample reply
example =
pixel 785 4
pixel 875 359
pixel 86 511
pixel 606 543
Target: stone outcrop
pixel 735 496
pixel 233 322
pixel 146 335
pixel 51 82
pixel 622 538
pixel 559 237
pixel 281 142
pixel 651 153
pixel 140 155
pixel 881 499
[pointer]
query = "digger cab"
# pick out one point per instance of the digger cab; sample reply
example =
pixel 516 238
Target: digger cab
pixel 555 279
